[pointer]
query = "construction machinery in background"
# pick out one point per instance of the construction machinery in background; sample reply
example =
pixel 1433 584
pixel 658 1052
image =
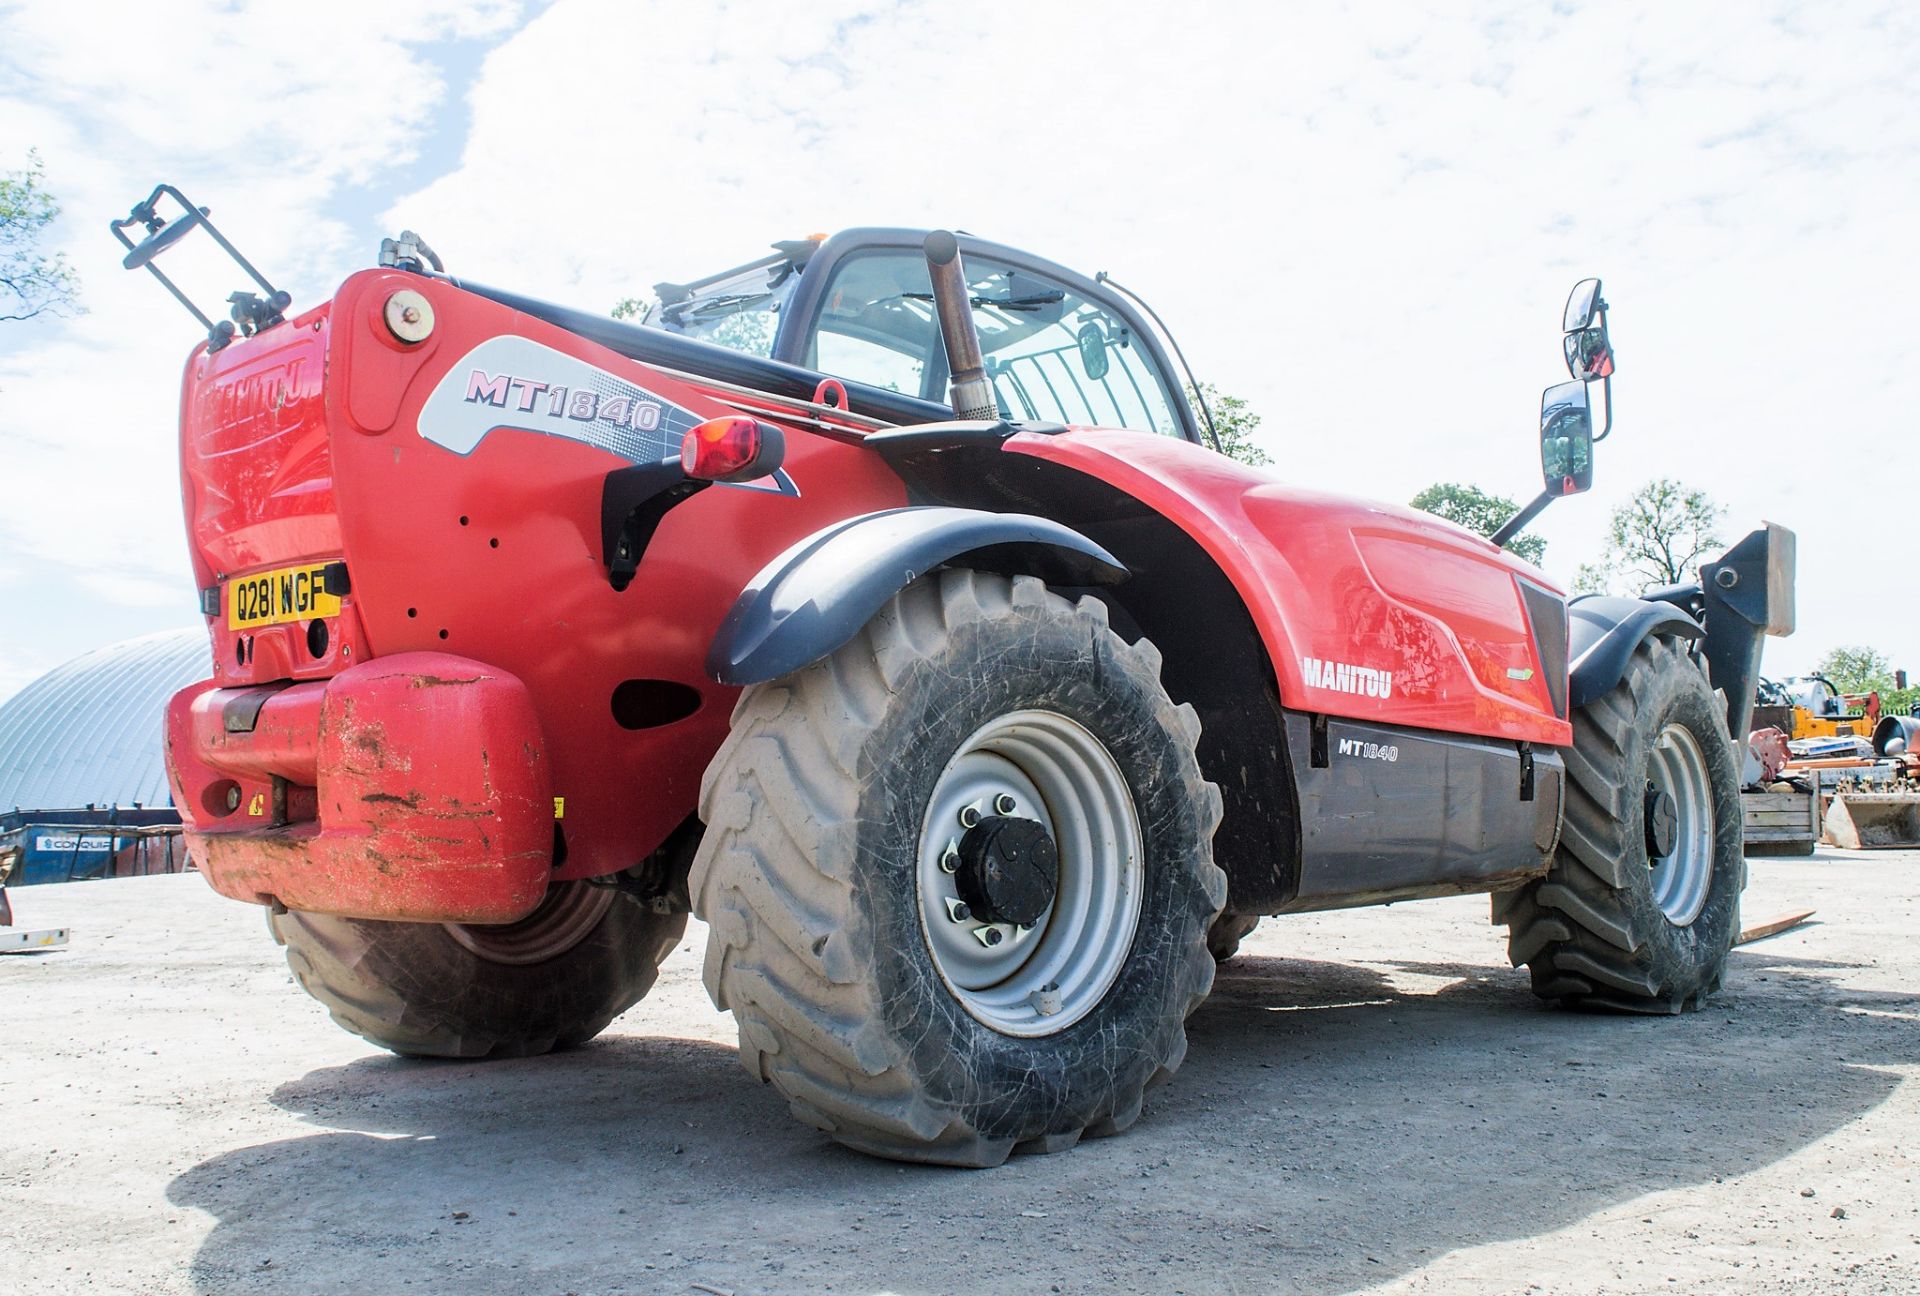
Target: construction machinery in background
pixel 1858 767
pixel 882 603
pixel 1807 707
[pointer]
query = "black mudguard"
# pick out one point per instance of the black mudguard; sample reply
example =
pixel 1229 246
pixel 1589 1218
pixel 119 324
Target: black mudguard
pixel 815 597
pixel 1603 631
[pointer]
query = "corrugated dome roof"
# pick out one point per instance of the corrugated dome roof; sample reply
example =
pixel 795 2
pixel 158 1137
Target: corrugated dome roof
pixel 89 732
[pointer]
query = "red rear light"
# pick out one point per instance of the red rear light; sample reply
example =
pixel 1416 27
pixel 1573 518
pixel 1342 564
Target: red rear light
pixel 732 449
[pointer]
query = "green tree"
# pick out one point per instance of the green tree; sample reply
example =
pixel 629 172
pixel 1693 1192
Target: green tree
pixel 31 282
pixel 1852 668
pixel 1234 421
pixel 1480 513
pixel 1658 537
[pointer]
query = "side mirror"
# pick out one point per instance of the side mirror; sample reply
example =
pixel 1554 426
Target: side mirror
pixel 1566 439
pixel 1093 351
pixel 1583 303
pixel 1589 354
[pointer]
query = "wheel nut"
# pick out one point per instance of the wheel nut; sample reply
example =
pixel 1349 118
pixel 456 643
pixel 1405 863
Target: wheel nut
pixel 1004 804
pixel 990 936
pixel 950 859
pixel 957 910
pixel 969 815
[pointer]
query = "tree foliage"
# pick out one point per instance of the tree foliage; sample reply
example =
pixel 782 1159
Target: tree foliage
pixel 31 282
pixel 1479 512
pixel 1658 537
pixel 1853 668
pixel 1234 421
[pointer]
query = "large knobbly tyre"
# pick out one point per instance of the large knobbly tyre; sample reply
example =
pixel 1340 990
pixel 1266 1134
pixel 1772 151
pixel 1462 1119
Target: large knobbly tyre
pixel 985 738
pixel 1641 906
pixel 551 981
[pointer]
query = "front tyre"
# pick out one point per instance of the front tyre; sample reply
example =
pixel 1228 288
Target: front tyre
pixel 553 980
pixel 959 876
pixel 1642 904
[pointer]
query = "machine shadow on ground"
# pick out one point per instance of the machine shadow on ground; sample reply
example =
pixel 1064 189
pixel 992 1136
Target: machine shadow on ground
pixel 1334 1126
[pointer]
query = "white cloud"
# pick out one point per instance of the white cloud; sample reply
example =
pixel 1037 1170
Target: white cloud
pixel 1365 223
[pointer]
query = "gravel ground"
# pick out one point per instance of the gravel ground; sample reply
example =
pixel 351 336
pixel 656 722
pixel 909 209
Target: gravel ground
pixel 1373 1103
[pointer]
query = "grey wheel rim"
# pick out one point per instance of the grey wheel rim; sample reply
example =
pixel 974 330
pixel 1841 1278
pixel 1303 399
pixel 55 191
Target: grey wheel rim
pixel 1682 877
pixel 565 916
pixel 1039 979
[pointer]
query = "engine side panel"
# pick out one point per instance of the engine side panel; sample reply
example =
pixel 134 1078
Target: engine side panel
pixel 1368 611
pixel 1398 814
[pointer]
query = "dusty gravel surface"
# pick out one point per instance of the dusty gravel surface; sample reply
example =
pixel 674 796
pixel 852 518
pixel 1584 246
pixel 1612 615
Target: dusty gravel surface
pixel 1372 1102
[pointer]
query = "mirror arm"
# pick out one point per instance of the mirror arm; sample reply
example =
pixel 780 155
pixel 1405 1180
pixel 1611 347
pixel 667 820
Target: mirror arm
pixel 1514 525
pixel 1606 385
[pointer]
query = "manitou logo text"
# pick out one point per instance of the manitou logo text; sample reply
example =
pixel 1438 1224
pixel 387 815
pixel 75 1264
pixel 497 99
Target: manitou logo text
pixel 1344 678
pixel 530 396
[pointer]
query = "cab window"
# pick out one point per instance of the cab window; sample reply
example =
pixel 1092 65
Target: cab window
pixel 876 325
pixel 1052 355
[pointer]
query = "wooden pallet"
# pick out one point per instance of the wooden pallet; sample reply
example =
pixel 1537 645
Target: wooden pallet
pixel 1781 823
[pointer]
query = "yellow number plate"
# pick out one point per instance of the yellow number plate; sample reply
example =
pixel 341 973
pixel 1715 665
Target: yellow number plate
pixel 279 596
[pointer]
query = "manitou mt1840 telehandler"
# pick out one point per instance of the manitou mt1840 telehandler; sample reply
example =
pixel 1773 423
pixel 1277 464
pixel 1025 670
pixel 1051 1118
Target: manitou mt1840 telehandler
pixel 882 603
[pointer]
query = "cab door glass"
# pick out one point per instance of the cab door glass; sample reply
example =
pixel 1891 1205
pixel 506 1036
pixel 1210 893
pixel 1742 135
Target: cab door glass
pixel 1052 356
pixel 876 324
pixel 1055 357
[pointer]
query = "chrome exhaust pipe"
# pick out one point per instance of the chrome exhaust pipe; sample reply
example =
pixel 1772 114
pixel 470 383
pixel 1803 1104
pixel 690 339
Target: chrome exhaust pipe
pixel 953 305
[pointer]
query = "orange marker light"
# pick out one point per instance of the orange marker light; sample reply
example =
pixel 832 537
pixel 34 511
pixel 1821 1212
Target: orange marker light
pixel 734 448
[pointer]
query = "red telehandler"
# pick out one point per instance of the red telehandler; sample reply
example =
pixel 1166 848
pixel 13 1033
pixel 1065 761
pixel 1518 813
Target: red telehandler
pixel 882 603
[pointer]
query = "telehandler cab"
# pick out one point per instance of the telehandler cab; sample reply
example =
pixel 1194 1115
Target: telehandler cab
pixel 882 603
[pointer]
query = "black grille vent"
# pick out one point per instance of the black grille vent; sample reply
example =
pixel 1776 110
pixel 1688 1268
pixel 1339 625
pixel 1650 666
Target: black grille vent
pixel 1547 615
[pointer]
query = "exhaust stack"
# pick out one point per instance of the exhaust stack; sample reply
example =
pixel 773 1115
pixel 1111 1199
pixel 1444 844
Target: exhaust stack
pixel 952 303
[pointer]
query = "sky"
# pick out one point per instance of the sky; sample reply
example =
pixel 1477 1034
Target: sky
pixel 1362 220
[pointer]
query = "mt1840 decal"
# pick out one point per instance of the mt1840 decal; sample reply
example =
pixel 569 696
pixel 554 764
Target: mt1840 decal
pixel 515 382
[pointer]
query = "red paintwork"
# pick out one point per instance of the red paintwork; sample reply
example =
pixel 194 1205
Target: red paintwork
pixel 1346 581
pixel 467 681
pixel 391 820
pixel 494 556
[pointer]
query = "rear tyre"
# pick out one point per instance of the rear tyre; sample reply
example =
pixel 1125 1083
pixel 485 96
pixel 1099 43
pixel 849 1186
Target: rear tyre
pixel 1641 906
pixel 1228 930
pixel 902 995
pixel 553 980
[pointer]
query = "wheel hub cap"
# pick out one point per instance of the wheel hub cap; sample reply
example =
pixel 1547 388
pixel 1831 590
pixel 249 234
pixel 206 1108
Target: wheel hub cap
pixel 1008 870
pixel 1663 824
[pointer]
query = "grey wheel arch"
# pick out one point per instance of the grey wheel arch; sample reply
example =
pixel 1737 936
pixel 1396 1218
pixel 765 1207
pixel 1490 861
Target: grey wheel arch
pixel 819 593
